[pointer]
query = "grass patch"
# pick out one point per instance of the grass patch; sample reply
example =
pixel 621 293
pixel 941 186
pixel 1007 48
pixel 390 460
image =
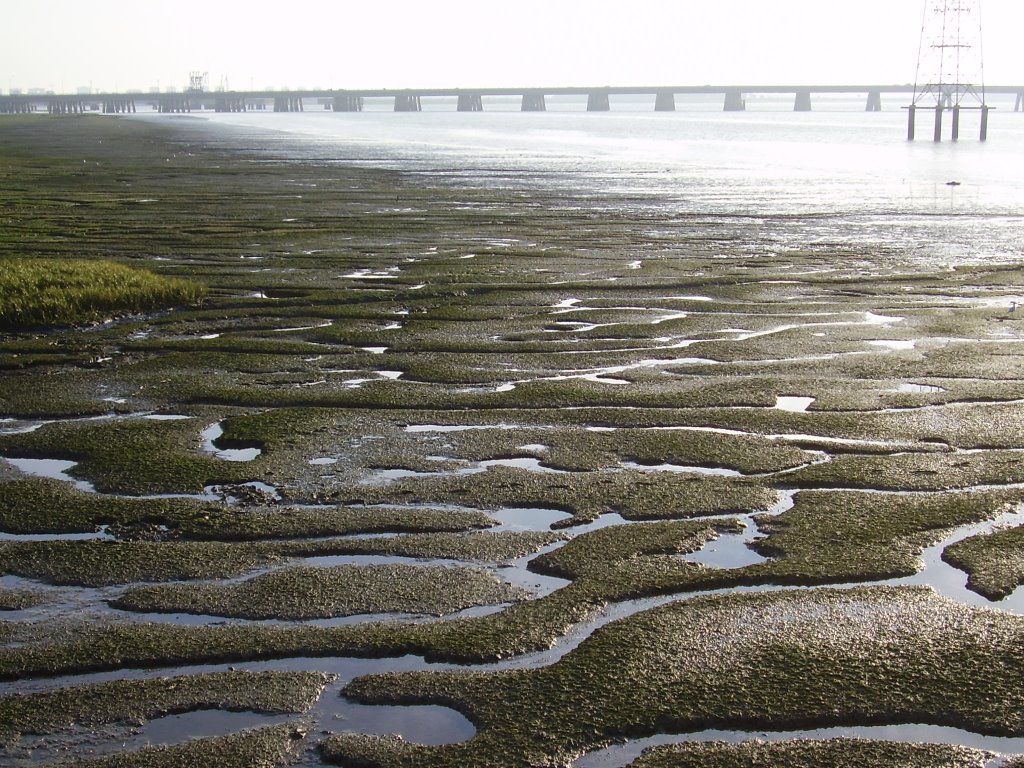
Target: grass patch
pixel 297 594
pixel 775 661
pixel 994 562
pixel 121 701
pixel 46 293
pixel 263 747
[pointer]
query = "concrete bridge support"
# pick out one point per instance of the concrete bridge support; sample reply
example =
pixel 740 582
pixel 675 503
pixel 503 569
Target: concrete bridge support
pixel 983 134
pixel 1018 105
pixel 225 103
pixel 118 105
pixel 65 107
pixel 734 101
pixel 597 101
pixel 874 102
pixel 471 102
pixel 174 102
pixel 802 103
pixel 348 103
pixel 911 122
pixel 406 102
pixel 534 102
pixel 288 104
pixel 665 101
pixel 16 106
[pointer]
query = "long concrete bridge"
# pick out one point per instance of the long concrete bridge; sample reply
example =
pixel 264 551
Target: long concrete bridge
pixel 663 98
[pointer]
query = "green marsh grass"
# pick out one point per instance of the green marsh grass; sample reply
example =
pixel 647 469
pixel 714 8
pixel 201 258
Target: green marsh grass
pixel 40 293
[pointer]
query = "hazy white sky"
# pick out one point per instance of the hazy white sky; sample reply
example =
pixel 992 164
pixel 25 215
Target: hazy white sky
pixel 138 44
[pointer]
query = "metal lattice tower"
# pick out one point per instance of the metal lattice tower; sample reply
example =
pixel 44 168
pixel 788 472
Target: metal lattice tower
pixel 950 65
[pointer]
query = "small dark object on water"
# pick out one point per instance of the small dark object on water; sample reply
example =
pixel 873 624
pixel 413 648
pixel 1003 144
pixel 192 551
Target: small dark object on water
pixel 952 183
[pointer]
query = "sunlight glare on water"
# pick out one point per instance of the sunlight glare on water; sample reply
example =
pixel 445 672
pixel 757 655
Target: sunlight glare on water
pixel 835 175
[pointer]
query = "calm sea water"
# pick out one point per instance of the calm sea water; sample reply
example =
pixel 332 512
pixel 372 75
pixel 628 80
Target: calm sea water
pixel 834 175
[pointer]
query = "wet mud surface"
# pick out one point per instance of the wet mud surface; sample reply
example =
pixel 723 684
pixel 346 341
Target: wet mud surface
pixel 444 474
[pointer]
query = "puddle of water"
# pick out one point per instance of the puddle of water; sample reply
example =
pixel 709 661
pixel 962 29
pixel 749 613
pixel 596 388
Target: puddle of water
pixel 566 304
pixel 53 469
pixel 952 582
pixel 20 428
pixel 415 724
pixel 176 729
pixel 458 427
pixel 375 350
pixel 324 461
pixel 892 343
pixel 528 518
pixel 530 464
pixel 166 417
pixel 213 433
pixel 872 319
pixel 669 317
pixel 101 533
pixel 729 550
pixel 681 469
pixel 386 476
pixel 367 274
pixel 793 404
pixel 325 324
pixel 907 388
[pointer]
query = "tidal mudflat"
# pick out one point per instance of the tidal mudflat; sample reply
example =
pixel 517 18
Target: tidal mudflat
pixel 441 474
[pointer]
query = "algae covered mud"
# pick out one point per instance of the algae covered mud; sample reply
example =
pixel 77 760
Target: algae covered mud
pixel 521 473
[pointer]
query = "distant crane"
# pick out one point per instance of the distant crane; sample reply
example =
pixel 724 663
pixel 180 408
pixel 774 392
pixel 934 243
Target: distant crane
pixel 197 81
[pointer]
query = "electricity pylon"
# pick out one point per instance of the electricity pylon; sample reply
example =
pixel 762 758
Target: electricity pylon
pixel 950 66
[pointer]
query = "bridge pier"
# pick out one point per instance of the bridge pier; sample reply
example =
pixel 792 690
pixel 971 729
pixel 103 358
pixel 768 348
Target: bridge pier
pixel 16 106
pixel 983 134
pixel 802 103
pixel 65 107
pixel 665 101
pixel 955 133
pixel 534 102
pixel 937 136
pixel 874 102
pixel 470 102
pixel 174 102
pixel 405 102
pixel 597 101
pixel 911 122
pixel 734 101
pixel 230 104
pixel 288 104
pixel 117 105
pixel 1018 105
pixel 348 103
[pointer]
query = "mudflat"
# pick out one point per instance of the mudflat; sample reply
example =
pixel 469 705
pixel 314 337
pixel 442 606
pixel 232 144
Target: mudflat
pixel 523 477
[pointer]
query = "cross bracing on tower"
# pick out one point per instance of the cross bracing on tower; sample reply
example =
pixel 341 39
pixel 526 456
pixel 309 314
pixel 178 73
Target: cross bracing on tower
pixel 950 66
